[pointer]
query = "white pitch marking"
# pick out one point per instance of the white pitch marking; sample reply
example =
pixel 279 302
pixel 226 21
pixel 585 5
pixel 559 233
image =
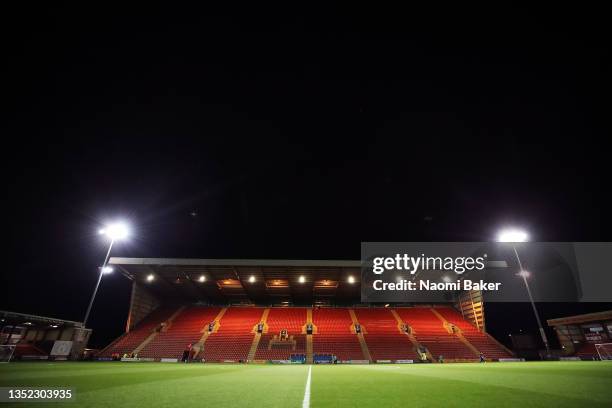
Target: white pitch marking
pixel 306 401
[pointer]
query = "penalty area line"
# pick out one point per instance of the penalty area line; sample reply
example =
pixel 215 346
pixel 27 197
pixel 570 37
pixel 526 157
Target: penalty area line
pixel 306 400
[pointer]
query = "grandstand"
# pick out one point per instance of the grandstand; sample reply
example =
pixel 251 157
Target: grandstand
pixel 257 311
pixel 34 337
pixel 578 335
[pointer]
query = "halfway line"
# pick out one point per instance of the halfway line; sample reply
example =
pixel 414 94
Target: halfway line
pixel 306 401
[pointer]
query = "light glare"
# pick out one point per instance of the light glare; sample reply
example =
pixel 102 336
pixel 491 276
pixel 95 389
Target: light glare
pixel 351 279
pixel 302 279
pixel 512 235
pixel 107 269
pixel 116 231
pixel 150 278
pixel 523 274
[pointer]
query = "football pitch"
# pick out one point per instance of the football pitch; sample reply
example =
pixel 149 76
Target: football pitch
pixel 145 385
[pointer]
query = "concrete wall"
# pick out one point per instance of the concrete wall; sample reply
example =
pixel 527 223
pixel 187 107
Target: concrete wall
pixel 142 303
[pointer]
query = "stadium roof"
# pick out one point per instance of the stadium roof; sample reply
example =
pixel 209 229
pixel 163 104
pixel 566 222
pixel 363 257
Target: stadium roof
pixel 14 318
pixel 583 318
pixel 246 280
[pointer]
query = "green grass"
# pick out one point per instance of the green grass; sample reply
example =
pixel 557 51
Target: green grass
pixel 550 384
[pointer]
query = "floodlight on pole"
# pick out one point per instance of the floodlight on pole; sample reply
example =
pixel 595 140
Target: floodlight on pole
pixel 116 232
pixel 514 236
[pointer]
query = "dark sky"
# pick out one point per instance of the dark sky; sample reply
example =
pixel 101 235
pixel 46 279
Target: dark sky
pixel 291 134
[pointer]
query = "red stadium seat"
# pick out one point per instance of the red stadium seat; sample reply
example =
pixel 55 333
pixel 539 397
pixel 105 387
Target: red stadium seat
pixel 334 334
pixel 291 319
pixel 481 341
pixel 185 329
pixel 384 339
pixel 234 338
pixel 128 342
pixel 431 333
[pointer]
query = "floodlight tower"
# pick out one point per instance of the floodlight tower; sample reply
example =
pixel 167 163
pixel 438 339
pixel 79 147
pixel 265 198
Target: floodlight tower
pixel 513 236
pixel 115 232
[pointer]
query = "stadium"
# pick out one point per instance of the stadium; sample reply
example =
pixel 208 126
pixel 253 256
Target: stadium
pixel 340 206
pixel 285 333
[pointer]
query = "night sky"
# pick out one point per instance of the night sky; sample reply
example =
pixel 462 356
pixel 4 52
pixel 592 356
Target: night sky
pixel 277 133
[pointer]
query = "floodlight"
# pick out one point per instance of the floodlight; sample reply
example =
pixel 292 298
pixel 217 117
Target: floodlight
pixel 351 279
pixel 202 278
pixel 252 278
pixel 150 277
pixel 116 231
pixel 513 235
pixel 302 279
pixel 107 269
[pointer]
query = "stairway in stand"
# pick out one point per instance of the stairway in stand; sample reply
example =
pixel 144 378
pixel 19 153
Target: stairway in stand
pixel 257 338
pixel 234 338
pixel 154 334
pixel 481 341
pixel 362 342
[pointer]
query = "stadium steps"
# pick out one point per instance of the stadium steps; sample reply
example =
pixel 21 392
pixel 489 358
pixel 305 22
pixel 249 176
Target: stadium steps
pixel 483 342
pixel 199 346
pixel 457 332
pixel 309 321
pixel 309 345
pixel 154 334
pixel 334 334
pixel 429 332
pixel 383 335
pixel 107 350
pixel 257 337
pixel 145 342
pixel 292 319
pixel 127 342
pixel 186 328
pixel 233 340
pixel 364 346
pixel 413 340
